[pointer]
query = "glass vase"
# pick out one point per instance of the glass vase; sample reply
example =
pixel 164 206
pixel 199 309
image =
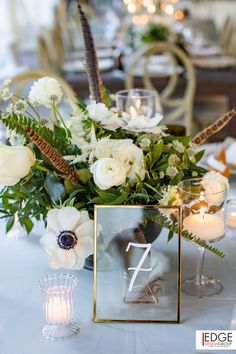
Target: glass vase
pixel 58 306
pixel 138 102
pixel 204 217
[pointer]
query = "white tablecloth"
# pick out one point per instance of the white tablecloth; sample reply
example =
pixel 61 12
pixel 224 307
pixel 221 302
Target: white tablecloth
pixel 23 262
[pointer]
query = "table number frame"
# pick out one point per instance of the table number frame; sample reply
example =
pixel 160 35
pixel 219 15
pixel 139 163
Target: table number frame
pixel 114 246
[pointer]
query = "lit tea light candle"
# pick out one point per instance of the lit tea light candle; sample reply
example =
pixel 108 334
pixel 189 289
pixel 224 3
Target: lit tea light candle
pixel 134 110
pixel 231 220
pixel 205 226
pixel 58 311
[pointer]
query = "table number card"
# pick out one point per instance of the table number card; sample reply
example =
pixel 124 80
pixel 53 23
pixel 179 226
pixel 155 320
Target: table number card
pixel 136 264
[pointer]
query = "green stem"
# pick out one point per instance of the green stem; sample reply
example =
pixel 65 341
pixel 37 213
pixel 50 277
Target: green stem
pixel 41 168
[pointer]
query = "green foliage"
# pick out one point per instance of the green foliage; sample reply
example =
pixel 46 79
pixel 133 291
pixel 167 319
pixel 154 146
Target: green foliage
pixel 58 137
pixel 155 32
pixel 54 187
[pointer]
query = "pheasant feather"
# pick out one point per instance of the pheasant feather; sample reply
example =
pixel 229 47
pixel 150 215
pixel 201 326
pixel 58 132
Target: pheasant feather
pixel 53 156
pixel 219 124
pixel 95 82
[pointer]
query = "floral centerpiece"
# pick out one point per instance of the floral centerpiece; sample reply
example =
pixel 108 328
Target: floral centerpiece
pixel 57 169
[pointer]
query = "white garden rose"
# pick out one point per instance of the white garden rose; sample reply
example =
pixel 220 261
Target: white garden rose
pixel 145 124
pixel 108 172
pixel 15 163
pixel 45 91
pixel 215 185
pixel 69 238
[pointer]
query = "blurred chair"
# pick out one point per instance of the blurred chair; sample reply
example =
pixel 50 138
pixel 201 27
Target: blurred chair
pixel 23 81
pixel 51 52
pixel 227 32
pixel 45 58
pixel 175 108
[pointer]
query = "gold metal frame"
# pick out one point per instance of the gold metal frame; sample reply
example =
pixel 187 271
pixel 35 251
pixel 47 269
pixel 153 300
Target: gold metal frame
pixel 101 320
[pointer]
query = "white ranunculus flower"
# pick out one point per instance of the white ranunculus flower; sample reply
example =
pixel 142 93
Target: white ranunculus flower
pixel 145 124
pixel 45 91
pixel 104 148
pixel 131 156
pixel 15 163
pixel 215 184
pixel 69 238
pixel 108 172
pixel 125 151
pixel 98 111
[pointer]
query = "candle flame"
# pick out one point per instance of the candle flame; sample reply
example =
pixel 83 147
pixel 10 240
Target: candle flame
pixel 202 212
pixel 133 112
pixel 201 196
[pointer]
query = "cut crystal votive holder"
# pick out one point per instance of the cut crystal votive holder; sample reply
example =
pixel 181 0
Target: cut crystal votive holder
pixel 58 306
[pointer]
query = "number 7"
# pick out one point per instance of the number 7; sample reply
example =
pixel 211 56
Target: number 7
pixel 142 260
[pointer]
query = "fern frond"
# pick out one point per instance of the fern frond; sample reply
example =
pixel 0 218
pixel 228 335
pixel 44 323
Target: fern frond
pixel 56 137
pixel 95 82
pixel 187 235
pixel 53 156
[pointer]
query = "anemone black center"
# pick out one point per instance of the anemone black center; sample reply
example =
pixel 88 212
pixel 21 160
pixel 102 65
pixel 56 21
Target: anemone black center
pixel 67 240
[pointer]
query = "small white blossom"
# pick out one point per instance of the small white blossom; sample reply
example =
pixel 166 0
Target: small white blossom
pixel 170 197
pixel 10 109
pixel 172 171
pixel 144 143
pixel 194 174
pixel 15 139
pixel 178 146
pixel 5 92
pixel 192 159
pixel 20 107
pixel 191 152
pixel 45 91
pixel 161 175
pixel 173 159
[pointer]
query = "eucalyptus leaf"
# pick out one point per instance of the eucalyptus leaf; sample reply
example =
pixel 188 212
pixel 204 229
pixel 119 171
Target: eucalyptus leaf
pixel 54 187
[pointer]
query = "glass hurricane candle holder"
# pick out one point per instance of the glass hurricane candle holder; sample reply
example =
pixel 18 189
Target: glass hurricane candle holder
pixel 203 217
pixel 231 233
pixel 231 215
pixel 138 102
pixel 58 306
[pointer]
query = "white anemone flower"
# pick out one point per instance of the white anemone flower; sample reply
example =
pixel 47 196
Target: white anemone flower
pixel 69 238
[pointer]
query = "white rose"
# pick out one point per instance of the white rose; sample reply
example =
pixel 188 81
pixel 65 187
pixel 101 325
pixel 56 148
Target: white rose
pixel 15 163
pixel 45 91
pixel 145 124
pixel 215 185
pixel 98 111
pixel 108 172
